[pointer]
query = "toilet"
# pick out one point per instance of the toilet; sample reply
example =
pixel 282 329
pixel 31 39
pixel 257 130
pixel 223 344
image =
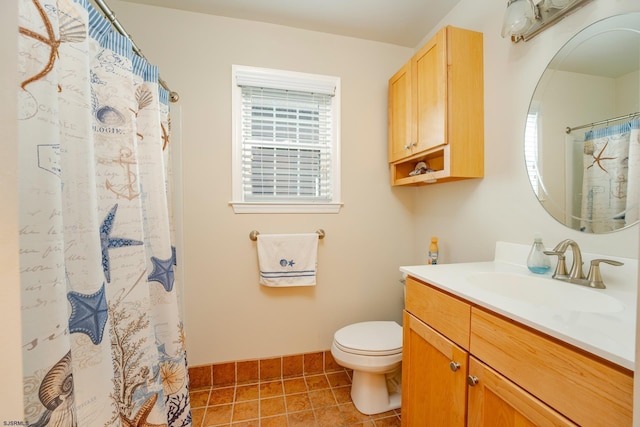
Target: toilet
pixel 374 351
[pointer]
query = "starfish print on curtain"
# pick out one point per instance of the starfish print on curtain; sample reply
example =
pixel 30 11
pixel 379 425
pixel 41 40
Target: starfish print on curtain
pixel 162 272
pixel 108 242
pixel 88 314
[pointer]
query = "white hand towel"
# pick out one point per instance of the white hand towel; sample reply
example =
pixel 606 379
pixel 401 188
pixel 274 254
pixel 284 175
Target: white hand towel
pixel 287 259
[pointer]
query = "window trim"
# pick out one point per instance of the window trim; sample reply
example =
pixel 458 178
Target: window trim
pixel 281 79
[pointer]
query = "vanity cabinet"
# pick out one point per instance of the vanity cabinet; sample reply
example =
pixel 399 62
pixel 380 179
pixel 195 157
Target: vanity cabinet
pixel 464 365
pixel 435 357
pixel 436 110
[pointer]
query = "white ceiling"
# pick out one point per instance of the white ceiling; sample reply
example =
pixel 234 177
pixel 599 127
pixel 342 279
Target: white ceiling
pixel 400 22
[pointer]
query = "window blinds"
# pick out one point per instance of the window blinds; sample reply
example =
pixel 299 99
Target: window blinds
pixel 286 145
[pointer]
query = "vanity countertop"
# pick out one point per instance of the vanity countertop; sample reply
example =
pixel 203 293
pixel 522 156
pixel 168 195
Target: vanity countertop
pixel 609 334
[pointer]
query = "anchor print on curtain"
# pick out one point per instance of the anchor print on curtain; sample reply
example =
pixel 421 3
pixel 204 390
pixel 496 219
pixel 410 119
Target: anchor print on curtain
pixel 103 343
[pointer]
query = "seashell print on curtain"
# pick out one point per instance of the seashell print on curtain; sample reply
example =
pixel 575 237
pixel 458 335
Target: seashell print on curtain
pixel 102 330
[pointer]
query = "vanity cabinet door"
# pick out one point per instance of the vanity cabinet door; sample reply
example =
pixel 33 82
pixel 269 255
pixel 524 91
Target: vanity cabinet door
pixel 434 375
pixel 589 391
pixel 496 401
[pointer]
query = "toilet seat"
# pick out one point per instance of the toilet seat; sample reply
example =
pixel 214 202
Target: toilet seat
pixel 375 338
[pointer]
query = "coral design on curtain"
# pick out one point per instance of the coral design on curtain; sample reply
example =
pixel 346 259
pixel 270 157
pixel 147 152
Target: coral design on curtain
pixel 610 177
pixel 102 332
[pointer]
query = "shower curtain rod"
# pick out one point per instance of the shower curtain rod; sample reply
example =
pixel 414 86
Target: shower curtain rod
pixel 111 16
pixel 604 122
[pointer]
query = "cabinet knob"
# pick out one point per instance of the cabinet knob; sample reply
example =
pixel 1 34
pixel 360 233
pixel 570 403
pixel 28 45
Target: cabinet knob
pixel 407 147
pixel 471 380
pixel 454 366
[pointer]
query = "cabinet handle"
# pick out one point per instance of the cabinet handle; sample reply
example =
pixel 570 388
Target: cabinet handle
pixel 471 380
pixel 407 147
pixel 454 366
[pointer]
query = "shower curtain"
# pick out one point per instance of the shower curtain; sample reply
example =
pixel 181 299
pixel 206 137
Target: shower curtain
pixel 103 342
pixel 610 177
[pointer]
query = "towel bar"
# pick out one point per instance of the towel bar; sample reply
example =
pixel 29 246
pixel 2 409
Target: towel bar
pixel 254 234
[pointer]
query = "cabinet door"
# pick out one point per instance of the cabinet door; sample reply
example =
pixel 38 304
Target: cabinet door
pixel 434 372
pixel 585 389
pixel 400 127
pixel 429 103
pixel 496 401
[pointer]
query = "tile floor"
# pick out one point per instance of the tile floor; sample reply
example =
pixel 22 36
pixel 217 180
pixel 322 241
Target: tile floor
pixel 309 400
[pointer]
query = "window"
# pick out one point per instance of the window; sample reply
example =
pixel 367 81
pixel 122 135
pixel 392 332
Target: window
pixel 286 142
pixel 531 147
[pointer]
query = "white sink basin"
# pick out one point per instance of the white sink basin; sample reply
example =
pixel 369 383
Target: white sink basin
pixel 546 291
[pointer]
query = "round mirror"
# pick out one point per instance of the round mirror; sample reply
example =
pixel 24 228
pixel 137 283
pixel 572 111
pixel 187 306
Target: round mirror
pixel 582 135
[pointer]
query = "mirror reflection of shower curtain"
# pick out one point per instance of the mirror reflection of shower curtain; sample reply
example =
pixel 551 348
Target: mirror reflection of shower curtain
pixel 633 183
pixel 608 168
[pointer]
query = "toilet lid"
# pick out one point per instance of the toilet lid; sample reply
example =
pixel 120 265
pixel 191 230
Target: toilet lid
pixel 379 338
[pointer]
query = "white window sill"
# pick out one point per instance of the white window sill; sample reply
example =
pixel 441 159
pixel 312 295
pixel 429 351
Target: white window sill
pixel 323 208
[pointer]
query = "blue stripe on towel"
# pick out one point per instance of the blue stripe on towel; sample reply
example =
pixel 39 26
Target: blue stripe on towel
pixel 281 274
pixel 287 272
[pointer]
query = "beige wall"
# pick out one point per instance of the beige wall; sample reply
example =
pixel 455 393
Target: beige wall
pixel 228 315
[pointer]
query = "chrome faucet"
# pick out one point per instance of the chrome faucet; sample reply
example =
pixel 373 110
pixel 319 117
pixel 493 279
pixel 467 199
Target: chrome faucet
pixel 576 275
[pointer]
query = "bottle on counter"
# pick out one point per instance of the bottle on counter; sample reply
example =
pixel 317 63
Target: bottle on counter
pixel 537 261
pixel 433 251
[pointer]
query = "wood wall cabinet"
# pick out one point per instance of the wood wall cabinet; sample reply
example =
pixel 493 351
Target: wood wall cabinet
pixel 463 365
pixel 436 110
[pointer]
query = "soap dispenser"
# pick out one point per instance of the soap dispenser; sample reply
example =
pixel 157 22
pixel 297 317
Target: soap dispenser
pixel 433 251
pixel 537 261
